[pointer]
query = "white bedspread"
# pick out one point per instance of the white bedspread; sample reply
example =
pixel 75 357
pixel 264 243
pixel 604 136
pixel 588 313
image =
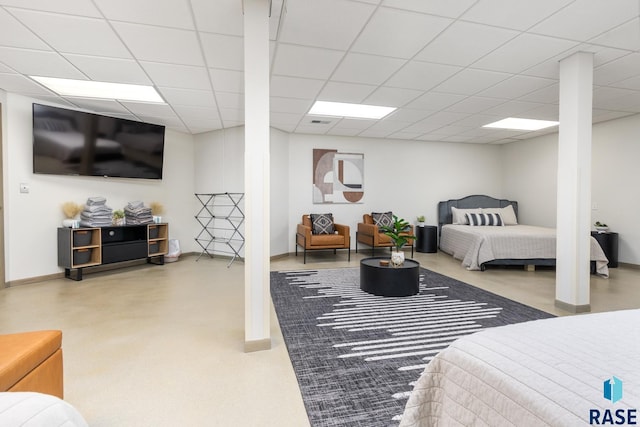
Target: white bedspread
pixel 29 409
pixel 477 245
pixel 545 372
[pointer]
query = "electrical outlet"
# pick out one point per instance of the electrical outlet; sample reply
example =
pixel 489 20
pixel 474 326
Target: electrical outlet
pixel 24 187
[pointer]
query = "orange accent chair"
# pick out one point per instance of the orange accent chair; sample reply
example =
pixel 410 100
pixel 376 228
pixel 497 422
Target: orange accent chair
pixel 369 233
pixel 306 239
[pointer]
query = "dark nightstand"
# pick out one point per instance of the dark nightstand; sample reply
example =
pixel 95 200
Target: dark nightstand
pixel 427 238
pixel 609 244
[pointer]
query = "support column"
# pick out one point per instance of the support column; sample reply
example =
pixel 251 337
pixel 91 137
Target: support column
pixel 257 335
pixel 574 184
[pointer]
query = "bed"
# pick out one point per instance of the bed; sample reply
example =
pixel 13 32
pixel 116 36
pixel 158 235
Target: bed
pixel 512 244
pixel 544 372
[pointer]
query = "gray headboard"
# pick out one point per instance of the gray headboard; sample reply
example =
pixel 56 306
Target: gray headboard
pixel 470 202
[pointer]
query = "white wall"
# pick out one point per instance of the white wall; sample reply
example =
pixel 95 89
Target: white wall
pixel 406 177
pixel 32 219
pixel 280 236
pixel 530 169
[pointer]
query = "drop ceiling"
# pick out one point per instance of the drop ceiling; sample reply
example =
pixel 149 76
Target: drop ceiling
pixel 448 66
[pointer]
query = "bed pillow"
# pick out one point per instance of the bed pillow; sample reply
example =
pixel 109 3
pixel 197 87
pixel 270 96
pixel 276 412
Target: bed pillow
pixel 507 213
pixel 322 224
pixel 459 215
pixel 382 218
pixel 476 219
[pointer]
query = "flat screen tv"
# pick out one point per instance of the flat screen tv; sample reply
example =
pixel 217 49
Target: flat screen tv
pixel 69 142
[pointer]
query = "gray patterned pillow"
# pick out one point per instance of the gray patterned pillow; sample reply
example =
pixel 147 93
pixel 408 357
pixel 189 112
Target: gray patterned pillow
pixel 382 218
pixel 322 224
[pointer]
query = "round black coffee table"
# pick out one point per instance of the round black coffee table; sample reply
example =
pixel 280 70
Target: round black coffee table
pixel 389 281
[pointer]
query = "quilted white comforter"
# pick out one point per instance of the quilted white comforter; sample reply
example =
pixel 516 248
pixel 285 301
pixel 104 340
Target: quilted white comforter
pixel 477 245
pixel 542 373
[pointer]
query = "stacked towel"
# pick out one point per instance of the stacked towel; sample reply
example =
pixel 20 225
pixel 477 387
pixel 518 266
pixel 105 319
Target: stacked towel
pixel 136 213
pixel 96 213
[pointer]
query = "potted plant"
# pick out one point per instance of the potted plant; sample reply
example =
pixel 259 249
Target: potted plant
pixel 118 217
pixel 421 219
pixel 601 226
pixel 399 233
pixel 71 210
pixel 156 210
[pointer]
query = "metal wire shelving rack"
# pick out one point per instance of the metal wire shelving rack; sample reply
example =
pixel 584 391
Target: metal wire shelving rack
pixel 221 218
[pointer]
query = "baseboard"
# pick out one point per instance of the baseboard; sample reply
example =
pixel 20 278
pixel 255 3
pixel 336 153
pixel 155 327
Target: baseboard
pixel 629 265
pixel 585 308
pixel 36 279
pixel 257 345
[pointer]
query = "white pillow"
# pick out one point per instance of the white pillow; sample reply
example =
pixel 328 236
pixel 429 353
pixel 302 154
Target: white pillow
pixel 507 213
pixel 459 215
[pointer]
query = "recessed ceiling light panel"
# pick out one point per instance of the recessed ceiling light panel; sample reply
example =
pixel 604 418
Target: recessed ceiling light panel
pixel 103 90
pixel 357 111
pixel 521 124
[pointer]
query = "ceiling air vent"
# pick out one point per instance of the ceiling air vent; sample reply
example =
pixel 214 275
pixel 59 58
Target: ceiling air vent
pixel 320 122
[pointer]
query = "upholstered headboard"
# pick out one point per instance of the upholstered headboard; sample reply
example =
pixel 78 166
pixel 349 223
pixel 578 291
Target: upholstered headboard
pixel 470 202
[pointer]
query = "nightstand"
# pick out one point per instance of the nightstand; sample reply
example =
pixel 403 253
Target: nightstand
pixel 427 238
pixel 609 244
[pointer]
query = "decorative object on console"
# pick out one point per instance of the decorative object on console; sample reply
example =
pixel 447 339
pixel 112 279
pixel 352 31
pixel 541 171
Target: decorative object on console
pixel 136 213
pixel 337 177
pixel 157 209
pixel 118 217
pixel 600 226
pixel 96 213
pixel 71 210
pixel 399 233
pixel 421 219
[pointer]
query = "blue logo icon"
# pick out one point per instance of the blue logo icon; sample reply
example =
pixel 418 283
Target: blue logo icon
pixel 613 389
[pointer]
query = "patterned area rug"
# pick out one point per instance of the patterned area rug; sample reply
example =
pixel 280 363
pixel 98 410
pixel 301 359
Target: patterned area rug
pixel 357 356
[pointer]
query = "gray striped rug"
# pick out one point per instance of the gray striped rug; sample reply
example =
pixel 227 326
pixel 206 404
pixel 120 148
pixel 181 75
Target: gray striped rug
pixel 357 356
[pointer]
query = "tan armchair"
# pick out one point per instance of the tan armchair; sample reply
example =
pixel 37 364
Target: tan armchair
pixel 305 238
pixel 368 233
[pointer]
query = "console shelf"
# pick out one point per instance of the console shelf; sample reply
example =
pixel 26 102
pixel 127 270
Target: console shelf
pixel 79 248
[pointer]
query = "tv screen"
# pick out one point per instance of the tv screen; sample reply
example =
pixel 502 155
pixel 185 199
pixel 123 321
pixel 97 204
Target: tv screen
pixel 68 142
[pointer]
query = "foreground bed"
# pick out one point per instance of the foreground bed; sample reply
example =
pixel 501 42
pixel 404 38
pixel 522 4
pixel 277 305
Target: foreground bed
pixel 511 244
pixel 545 372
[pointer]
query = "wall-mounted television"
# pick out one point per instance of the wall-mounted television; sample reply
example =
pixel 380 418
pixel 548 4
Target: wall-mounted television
pixel 69 142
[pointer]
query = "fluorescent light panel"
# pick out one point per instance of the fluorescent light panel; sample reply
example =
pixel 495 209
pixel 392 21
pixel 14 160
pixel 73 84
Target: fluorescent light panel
pixel 357 111
pixel 104 90
pixel 521 124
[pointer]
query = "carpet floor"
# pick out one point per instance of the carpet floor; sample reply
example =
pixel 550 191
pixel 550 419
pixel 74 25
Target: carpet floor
pixel 357 356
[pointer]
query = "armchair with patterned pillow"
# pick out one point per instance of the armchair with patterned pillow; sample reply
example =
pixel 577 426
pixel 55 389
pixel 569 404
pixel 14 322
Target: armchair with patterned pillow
pixel 318 231
pixel 369 232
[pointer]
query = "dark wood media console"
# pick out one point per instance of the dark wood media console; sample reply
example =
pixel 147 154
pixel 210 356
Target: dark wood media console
pixel 80 248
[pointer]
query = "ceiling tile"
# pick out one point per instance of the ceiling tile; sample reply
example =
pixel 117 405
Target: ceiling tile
pixel 289 105
pixel 625 36
pixel 345 92
pixel 223 51
pixel 392 97
pixel 300 61
pixel 516 87
pixel 285 118
pixel 409 115
pixel 73 34
pixel 603 115
pixel 476 121
pixel 516 14
pixel 512 108
pixel 198 114
pixel 523 52
pixel 618 70
pixel 70 7
pixel 293 87
pixel 147 109
pixel 106 106
pixel 544 112
pixel 165 13
pixel 157 44
pixel 615 99
pixel 398 33
pixel 465 42
pixel 113 70
pixel 331 24
pixel 471 81
pixel 422 75
pixel 14 34
pixel 451 9
pixel 474 104
pixel 194 97
pixel 360 124
pixel 227 80
pixel 230 114
pixel 174 75
pixel 20 84
pixel 338 131
pixel 435 101
pixel 38 63
pixel 547 95
pixel 6 70
pixel 584 19
pixel 368 69
pixel 219 16
pixel 551 68
pixel 230 100
pixel 405 135
pixel 389 125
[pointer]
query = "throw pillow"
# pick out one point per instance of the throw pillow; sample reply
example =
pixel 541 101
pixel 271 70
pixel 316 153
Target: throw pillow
pixel 507 213
pixel 485 219
pixel 459 216
pixel 382 218
pixel 322 224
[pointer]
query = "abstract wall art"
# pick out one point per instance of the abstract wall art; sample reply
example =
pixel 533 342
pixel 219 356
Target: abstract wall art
pixel 337 177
